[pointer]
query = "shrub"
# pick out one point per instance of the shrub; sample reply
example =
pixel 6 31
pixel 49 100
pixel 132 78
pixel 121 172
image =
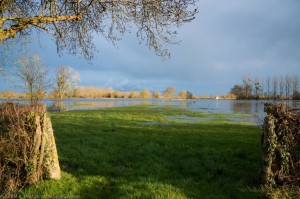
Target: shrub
pixel 281 146
pixel 27 147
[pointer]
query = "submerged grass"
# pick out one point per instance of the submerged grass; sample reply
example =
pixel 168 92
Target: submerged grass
pixel 109 153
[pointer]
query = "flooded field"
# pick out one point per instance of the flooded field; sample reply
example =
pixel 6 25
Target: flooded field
pixel 252 108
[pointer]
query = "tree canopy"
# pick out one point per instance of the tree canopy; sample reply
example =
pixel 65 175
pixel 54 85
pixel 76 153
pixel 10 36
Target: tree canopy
pixel 73 23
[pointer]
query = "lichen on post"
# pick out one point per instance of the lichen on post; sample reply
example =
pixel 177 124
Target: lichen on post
pixel 268 144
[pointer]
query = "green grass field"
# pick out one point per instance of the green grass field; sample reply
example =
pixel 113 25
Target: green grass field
pixel 149 152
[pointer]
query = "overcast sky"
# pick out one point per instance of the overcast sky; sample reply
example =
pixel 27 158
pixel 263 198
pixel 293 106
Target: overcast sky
pixel 227 40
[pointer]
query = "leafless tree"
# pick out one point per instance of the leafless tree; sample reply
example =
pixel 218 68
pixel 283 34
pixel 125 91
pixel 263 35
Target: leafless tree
pixel 257 87
pixel 73 23
pixel 247 81
pixel 156 94
pixel 185 94
pixel 288 82
pixel 66 80
pixel 281 86
pixel 275 86
pixel 32 73
pixel 169 92
pixel 268 83
pixel 296 92
pixel 145 93
pixel 238 91
pixel 295 83
pixel 262 88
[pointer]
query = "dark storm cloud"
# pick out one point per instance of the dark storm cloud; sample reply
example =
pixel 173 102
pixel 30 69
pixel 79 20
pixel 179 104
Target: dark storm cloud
pixel 228 39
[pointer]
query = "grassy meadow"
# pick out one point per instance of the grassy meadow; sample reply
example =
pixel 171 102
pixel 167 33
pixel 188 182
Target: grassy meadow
pixel 152 152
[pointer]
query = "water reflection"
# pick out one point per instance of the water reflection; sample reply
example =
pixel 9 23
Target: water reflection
pixel 246 107
pixel 57 105
pixel 249 107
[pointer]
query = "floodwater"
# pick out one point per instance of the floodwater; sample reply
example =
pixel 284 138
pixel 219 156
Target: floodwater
pixel 247 107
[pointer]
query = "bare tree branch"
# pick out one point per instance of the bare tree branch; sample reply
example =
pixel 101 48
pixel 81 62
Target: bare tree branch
pixel 73 23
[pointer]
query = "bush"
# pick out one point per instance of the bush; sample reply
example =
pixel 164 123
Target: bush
pixel 281 146
pixel 296 95
pixel 26 147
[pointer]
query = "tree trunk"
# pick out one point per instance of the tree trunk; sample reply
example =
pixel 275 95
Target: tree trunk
pixel 25 23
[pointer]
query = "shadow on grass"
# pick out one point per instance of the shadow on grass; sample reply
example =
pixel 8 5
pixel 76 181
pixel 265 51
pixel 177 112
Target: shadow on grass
pixel 111 155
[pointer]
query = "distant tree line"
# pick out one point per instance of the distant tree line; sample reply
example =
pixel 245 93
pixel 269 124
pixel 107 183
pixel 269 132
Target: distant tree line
pixel 96 92
pixel 276 87
pixel 31 74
